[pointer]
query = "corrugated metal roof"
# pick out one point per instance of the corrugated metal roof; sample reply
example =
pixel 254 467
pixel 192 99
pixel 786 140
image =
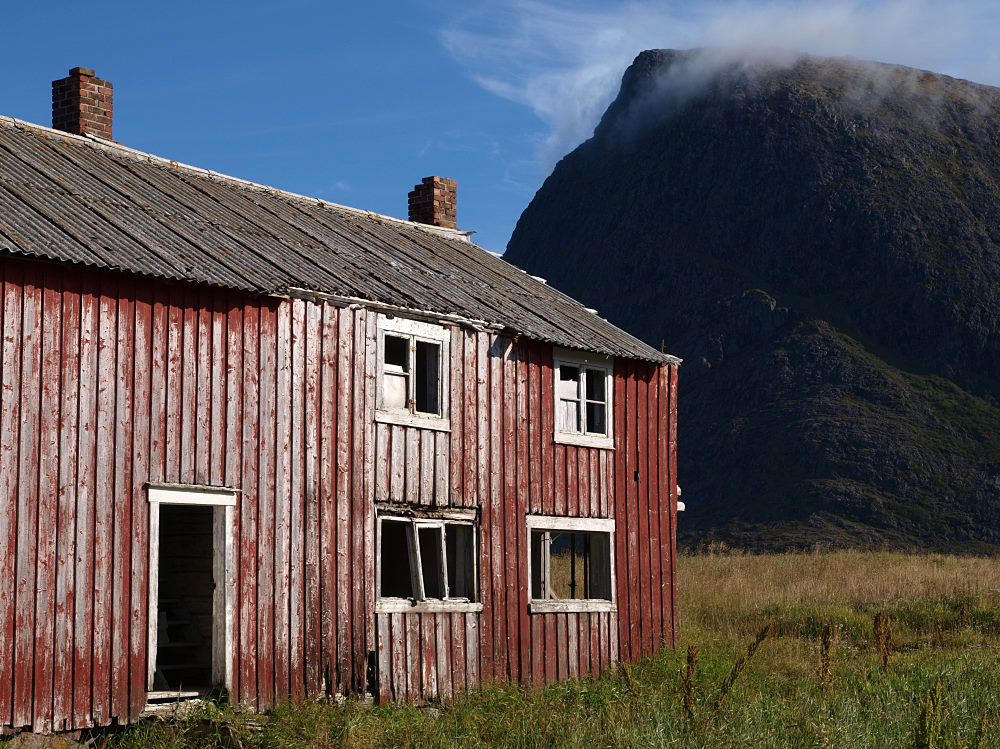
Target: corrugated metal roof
pixel 81 200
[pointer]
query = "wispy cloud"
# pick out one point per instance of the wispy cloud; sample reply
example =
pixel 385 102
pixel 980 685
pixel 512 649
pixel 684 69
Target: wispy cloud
pixel 565 60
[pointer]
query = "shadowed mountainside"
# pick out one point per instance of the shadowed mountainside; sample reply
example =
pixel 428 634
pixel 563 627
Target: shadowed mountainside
pixel 820 240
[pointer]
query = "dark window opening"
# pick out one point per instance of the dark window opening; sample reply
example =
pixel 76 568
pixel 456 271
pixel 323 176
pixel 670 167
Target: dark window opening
pixel 458 542
pixel 430 562
pixel 570 565
pixel 428 377
pixel 427 559
pixel 397 577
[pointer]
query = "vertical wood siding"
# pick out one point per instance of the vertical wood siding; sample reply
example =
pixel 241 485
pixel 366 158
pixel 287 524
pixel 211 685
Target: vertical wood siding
pixel 108 382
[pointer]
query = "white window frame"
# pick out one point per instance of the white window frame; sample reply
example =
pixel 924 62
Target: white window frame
pixel 223 500
pixel 415 330
pixel 392 604
pixel 584 360
pixel 578 525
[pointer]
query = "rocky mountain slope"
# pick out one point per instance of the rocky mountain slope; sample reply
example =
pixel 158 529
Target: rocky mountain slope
pixel 820 240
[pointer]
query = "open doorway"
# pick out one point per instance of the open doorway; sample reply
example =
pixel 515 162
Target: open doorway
pixel 191 593
pixel 184 601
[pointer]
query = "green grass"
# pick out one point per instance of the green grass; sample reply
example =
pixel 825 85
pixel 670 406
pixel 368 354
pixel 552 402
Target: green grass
pixel 945 624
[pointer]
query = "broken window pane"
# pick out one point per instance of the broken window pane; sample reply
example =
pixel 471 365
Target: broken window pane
pixel 428 377
pixel 397 574
pixel 537 563
pixel 395 379
pixel 458 545
pixel 430 562
pixel 569 381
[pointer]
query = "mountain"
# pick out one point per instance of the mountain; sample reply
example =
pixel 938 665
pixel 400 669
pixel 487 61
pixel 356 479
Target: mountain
pixel 819 239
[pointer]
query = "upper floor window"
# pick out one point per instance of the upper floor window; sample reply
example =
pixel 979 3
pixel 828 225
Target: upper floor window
pixel 583 389
pixel 412 386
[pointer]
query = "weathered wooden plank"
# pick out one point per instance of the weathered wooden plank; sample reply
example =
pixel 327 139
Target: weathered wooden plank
pixel 519 603
pixel 559 479
pixel 203 388
pixel 484 469
pixel 103 537
pixel 359 505
pixel 249 505
pixel 426 464
pixel 572 481
pixel 398 660
pixel 654 483
pixel 122 500
pixel 345 425
pixel 411 439
pixel 174 410
pixel 562 645
pixel 27 506
pixel 50 330
pixel 296 489
pixel 500 645
pixel 456 653
pixel 328 498
pixel 672 488
pixel 457 417
pixel 604 637
pixel 428 656
pixel 547 419
pixel 411 623
pixel 62 675
pixel 535 437
pixel 642 514
pixel 443 652
pixel 366 500
pixel 633 633
pixel 620 499
pixel 139 547
pixel 442 458
pixel 312 652
pixel 381 462
pixel 189 387
pixel 266 499
pixel 537 651
pixel 472 650
pixel 83 611
pixel 470 489
pixel 10 419
pixel 284 427
pixel 218 388
pixel 594 635
pixel 511 516
pixel 397 461
pixel 384 683
pixel 572 644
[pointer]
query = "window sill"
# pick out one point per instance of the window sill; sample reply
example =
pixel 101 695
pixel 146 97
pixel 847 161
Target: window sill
pixel 409 606
pixel 569 606
pixel 411 420
pixel 584 440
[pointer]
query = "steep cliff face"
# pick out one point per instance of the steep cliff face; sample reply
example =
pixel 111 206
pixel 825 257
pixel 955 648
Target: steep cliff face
pixel 820 240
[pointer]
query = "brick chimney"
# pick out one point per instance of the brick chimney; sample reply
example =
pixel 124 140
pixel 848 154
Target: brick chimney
pixel 81 103
pixel 434 201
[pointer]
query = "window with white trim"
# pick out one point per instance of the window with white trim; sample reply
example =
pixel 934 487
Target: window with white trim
pixel 426 563
pixel 571 563
pixel 583 389
pixel 412 385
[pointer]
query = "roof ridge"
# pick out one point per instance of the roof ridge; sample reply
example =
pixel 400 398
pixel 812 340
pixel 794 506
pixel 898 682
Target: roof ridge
pixel 136 154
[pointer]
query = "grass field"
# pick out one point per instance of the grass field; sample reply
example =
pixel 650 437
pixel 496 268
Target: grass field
pixel 776 651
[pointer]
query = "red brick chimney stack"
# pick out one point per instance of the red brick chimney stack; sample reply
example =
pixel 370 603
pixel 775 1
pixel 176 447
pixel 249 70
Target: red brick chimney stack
pixel 81 104
pixel 435 201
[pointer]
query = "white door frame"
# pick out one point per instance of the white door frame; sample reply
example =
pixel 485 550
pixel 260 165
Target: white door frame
pixel 223 500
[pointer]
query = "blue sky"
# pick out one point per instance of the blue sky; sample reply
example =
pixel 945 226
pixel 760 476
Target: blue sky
pixel 355 102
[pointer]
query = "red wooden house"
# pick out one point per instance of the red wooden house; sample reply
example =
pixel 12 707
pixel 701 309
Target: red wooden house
pixel 258 440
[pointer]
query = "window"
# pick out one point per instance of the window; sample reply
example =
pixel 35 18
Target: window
pixel 572 565
pixel 412 383
pixel 583 398
pixel 427 563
